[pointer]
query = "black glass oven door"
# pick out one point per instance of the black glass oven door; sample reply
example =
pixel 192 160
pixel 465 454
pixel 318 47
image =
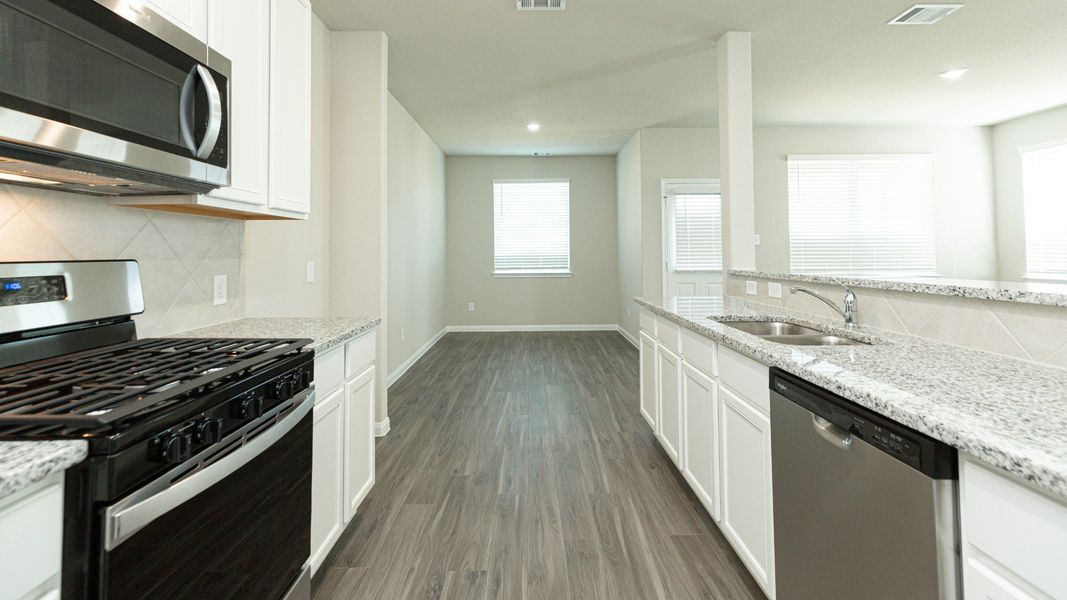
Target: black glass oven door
pixel 247 536
pixel 125 95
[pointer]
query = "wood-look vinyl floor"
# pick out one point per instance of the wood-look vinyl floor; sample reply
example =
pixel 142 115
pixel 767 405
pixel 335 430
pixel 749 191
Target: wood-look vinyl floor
pixel 519 467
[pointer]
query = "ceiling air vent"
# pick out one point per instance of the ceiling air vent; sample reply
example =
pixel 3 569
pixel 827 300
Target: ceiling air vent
pixel 925 14
pixel 540 4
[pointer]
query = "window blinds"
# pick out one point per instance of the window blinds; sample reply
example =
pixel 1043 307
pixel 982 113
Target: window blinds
pixel 1045 210
pixel 697 232
pixel 861 214
pixel 531 227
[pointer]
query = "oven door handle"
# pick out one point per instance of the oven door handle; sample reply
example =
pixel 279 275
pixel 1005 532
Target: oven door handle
pixel 187 112
pixel 123 519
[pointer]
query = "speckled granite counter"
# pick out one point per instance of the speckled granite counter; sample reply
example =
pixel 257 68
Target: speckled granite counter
pixel 1008 412
pixel 327 332
pixel 25 463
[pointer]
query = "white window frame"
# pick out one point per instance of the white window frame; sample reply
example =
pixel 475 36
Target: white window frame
pixel 1034 274
pixel 932 271
pixel 532 273
pixel 686 186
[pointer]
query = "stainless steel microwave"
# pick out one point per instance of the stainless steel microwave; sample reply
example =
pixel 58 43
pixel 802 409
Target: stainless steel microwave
pixel 106 97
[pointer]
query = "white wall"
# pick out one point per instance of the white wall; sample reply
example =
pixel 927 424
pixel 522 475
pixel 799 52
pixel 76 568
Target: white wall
pixel 416 237
pixel 628 231
pixel 358 186
pixel 1008 139
pixel 590 297
pixel 965 227
pixel 277 252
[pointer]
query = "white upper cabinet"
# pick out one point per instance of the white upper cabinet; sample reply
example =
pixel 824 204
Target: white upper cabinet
pixel 240 31
pixel 290 107
pixel 190 15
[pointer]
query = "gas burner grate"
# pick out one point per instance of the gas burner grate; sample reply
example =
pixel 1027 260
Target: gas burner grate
pixel 103 387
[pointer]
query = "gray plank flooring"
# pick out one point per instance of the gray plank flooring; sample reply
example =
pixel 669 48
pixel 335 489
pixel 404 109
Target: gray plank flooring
pixel 518 466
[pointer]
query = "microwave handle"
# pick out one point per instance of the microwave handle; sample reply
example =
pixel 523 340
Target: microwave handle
pixel 127 517
pixel 187 110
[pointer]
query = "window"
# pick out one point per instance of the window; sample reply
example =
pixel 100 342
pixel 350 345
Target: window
pixel 1045 210
pixel 531 227
pixel 862 214
pixel 695 214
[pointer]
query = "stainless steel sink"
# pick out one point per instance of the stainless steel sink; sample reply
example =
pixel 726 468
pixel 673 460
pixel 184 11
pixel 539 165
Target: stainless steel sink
pixel 792 334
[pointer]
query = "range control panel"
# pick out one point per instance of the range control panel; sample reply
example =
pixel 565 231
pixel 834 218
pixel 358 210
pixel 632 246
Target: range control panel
pixel 32 290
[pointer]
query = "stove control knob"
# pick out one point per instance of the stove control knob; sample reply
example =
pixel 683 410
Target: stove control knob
pixel 208 431
pixel 247 407
pixel 280 389
pixel 175 448
pixel 306 377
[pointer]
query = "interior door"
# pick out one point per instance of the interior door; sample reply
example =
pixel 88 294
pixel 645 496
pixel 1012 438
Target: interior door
pixel 692 238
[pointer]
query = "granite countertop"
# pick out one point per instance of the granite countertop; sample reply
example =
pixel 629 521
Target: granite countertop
pixel 1008 412
pixel 24 463
pixel 326 332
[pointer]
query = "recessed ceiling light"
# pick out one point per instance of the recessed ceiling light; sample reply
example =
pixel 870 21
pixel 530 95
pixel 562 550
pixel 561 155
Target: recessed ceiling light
pixel 953 74
pixel 533 126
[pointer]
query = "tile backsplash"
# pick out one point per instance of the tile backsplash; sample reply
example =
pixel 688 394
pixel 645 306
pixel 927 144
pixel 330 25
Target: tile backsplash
pixel 179 255
pixel 1026 331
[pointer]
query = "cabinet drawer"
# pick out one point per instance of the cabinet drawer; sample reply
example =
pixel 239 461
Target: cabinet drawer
pixel 31 538
pixel 699 351
pixel 329 372
pixel 359 354
pixel 667 334
pixel 750 379
pixel 648 322
pixel 1022 529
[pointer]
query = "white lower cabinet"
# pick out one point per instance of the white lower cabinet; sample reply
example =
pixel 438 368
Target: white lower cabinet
pixel 1014 538
pixel 648 379
pixel 747 504
pixel 31 541
pixel 359 440
pixel 327 476
pixel 709 408
pixel 700 440
pixel 342 470
pixel 669 376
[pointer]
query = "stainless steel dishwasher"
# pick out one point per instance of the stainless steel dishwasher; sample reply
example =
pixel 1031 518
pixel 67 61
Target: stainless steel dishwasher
pixel 863 506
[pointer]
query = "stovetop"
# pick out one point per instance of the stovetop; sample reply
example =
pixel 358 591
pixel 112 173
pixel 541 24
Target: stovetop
pixel 121 387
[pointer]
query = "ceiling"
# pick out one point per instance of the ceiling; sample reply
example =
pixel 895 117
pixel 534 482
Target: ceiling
pixel 474 72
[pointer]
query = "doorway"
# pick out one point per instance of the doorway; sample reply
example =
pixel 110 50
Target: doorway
pixel 692 237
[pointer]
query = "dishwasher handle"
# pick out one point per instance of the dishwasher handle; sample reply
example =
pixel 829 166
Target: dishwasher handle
pixel 831 433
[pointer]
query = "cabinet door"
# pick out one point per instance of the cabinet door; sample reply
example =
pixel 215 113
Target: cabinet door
pixel 327 476
pixel 359 440
pixel 290 106
pixel 190 15
pixel 747 517
pixel 700 416
pixel 240 30
pixel 649 387
pixel 669 367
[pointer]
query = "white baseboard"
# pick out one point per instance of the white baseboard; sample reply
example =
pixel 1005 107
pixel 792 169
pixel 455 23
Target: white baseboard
pixel 399 372
pixel 381 428
pixel 629 338
pixel 503 328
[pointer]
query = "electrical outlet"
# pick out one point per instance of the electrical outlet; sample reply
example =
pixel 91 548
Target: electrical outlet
pixel 774 290
pixel 220 289
pixel 311 271
pixel 751 288
pixel 402 334
pixel 470 307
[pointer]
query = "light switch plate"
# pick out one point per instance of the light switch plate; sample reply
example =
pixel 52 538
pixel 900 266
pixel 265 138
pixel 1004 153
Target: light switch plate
pixel 401 334
pixel 311 271
pixel 751 288
pixel 774 290
pixel 470 307
pixel 220 289
pixel 755 239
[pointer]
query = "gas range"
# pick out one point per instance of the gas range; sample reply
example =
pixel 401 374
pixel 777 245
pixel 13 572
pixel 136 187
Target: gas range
pixel 188 439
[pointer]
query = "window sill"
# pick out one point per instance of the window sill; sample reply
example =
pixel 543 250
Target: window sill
pixel 528 274
pixel 1057 277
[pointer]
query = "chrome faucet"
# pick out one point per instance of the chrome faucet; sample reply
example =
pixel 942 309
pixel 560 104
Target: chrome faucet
pixel 850 307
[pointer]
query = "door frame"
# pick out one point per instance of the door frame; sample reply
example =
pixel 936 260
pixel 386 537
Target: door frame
pixel 665 226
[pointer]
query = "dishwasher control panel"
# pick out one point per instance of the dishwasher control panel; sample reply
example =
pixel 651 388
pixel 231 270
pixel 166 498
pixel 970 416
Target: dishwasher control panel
pixel 889 440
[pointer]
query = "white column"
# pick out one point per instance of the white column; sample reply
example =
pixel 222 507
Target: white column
pixel 735 149
pixel 358 160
